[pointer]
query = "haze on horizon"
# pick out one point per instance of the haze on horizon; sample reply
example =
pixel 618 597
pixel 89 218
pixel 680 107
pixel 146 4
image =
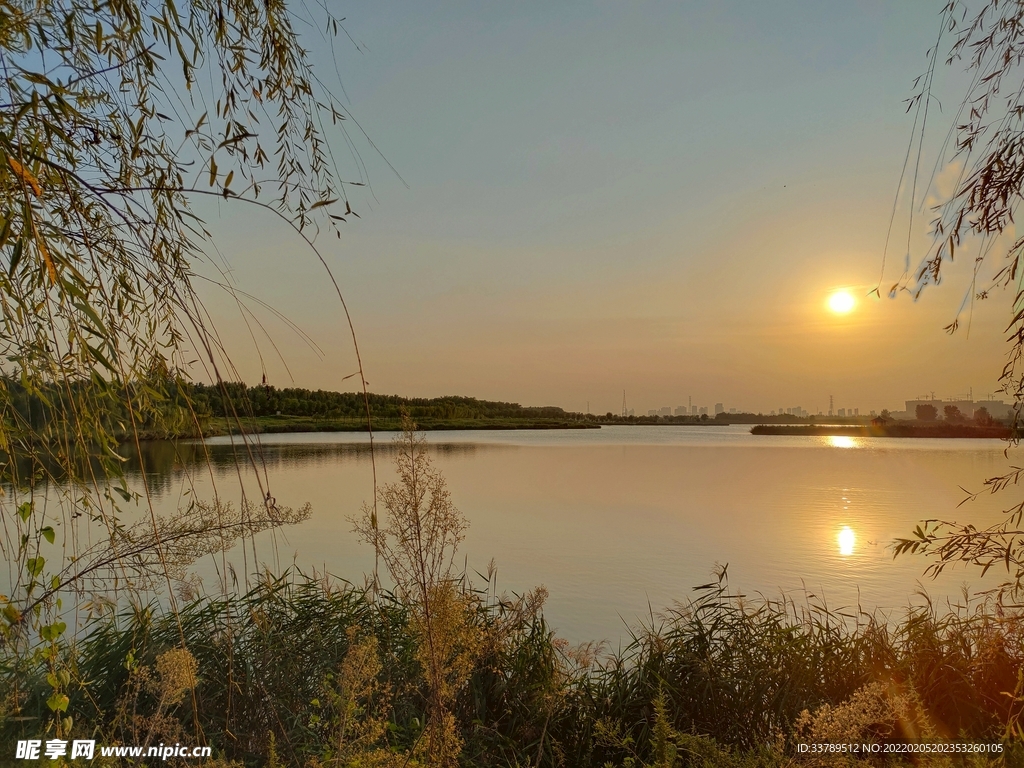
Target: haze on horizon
pixel 654 197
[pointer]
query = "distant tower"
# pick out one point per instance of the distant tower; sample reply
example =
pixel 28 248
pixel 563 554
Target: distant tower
pixel 625 413
pixel 830 409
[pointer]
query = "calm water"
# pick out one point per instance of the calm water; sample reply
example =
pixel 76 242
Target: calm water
pixel 620 521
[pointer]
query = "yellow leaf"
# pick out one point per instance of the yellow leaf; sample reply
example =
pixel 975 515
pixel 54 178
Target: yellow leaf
pixel 25 175
pixel 51 270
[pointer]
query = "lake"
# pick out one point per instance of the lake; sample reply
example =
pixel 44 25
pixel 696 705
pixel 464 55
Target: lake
pixel 620 522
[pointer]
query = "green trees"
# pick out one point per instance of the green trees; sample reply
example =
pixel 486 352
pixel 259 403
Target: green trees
pixel 926 412
pixel 114 118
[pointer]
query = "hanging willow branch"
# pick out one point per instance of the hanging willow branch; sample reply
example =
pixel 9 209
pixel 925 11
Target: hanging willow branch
pixel 113 117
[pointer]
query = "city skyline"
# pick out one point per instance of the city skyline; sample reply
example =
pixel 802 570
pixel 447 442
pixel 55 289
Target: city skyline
pixel 840 410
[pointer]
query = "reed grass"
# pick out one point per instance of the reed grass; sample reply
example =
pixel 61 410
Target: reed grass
pixel 717 681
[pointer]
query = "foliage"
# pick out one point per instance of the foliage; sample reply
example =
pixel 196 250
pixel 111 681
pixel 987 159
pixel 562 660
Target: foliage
pixel 319 673
pixel 417 540
pixel 984 150
pixel 114 119
pixel 926 412
pixel 264 400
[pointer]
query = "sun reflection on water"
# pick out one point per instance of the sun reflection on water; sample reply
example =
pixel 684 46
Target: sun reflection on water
pixel 846 538
pixel 841 441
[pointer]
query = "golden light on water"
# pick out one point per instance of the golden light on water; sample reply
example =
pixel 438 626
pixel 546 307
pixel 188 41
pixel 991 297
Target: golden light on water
pixel 841 441
pixel 847 538
pixel 841 302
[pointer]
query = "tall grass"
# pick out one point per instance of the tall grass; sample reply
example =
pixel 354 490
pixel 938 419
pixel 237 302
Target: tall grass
pixel 717 680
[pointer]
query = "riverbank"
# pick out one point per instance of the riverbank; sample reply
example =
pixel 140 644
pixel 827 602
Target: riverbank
pixel 902 429
pixel 279 424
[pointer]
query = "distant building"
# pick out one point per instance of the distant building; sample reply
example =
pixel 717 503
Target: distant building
pixel 704 411
pixel 665 411
pixel 681 410
pixel 856 411
pixel 732 410
pixel 653 412
pixel 693 410
pixel 842 413
pixel 719 408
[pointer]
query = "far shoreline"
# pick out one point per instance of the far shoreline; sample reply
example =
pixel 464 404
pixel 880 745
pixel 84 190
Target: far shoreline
pixel 899 429
pixel 268 425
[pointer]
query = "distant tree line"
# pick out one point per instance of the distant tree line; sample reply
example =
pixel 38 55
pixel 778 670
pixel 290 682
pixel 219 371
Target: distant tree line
pixel 952 414
pixel 236 398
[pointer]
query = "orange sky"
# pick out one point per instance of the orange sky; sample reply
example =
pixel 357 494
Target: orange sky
pixel 654 198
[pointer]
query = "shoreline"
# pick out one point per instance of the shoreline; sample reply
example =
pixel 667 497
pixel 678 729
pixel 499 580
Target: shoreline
pixel 268 425
pixel 941 430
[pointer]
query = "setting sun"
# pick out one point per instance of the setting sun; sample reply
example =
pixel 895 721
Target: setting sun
pixel 841 302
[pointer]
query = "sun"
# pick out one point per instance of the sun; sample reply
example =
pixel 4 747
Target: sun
pixel 841 302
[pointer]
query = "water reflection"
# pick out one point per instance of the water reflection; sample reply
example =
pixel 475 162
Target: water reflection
pixel 165 461
pixel 847 538
pixel 613 521
pixel 841 441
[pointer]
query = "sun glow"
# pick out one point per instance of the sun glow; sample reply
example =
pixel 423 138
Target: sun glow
pixel 847 538
pixel 841 302
pixel 840 441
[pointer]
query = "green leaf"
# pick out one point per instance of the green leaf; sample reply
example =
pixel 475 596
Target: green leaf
pixel 16 255
pixel 48 534
pixel 25 511
pixel 91 313
pixel 35 566
pixel 58 702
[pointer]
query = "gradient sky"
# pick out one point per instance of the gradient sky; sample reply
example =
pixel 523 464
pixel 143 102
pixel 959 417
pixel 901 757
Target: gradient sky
pixel 640 196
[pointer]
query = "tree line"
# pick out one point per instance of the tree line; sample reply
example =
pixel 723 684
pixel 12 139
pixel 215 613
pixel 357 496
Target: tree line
pixel 237 399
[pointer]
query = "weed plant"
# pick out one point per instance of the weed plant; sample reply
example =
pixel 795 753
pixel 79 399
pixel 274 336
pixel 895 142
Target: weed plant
pixel 307 671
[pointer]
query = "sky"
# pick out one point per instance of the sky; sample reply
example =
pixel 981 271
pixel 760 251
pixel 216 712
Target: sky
pixel 592 198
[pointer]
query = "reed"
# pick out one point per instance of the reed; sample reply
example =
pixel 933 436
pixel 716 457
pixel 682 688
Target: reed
pixel 305 671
